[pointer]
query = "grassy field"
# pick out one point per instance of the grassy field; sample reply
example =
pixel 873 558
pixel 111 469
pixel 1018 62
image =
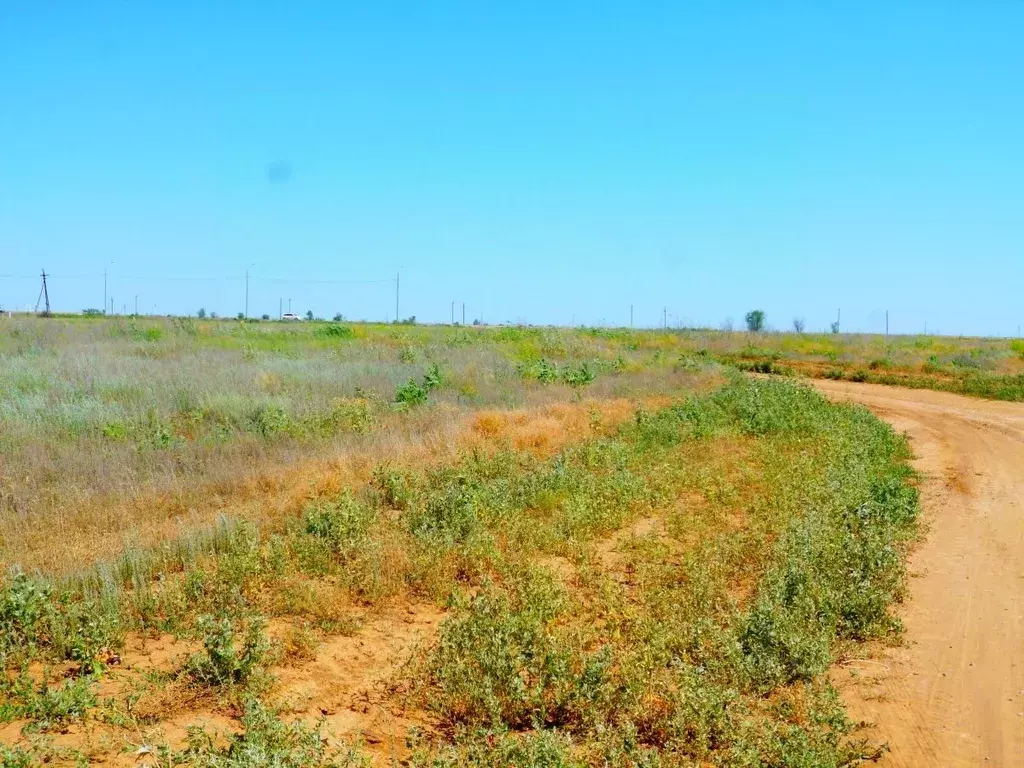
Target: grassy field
pixel 117 433
pixel 979 367
pixel 317 544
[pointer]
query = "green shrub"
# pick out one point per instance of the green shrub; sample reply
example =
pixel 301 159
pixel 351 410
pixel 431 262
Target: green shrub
pixel 578 377
pixel 394 485
pixel 411 393
pixel 341 524
pixel 43 705
pixel 536 749
pixel 450 511
pixel 266 742
pixel 269 420
pixel 547 373
pixel 334 331
pixel 497 663
pixel 25 604
pixel 115 430
pixel 433 378
pixel 222 664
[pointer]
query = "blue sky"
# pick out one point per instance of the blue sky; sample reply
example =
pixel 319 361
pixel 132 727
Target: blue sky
pixel 541 162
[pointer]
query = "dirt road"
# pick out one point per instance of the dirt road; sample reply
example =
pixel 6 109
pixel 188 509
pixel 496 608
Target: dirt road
pixel 954 694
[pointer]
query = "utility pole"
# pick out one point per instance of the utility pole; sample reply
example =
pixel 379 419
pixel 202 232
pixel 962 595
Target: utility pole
pixel 280 307
pixel 464 314
pixel 664 318
pixel 104 290
pixel 136 305
pixel 453 313
pixel 289 306
pixel 398 279
pixel 44 294
pixel 247 294
pixel 111 305
pixel 887 322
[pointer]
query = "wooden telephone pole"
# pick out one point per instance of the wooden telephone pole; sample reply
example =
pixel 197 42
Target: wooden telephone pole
pixel 44 296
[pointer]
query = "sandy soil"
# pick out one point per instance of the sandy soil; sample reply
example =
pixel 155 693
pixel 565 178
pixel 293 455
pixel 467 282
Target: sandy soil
pixel 953 693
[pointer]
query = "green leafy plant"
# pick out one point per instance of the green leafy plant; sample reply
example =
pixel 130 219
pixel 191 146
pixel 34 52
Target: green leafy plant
pixel 223 663
pixel 334 330
pixel 266 742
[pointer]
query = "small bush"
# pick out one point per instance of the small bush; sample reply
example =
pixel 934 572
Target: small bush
pixel 43 705
pixel 25 604
pixel 269 420
pixel 533 749
pixel 334 331
pixel 341 524
pixel 411 393
pixel 395 487
pixel 579 377
pixel 222 664
pixel 266 742
pixel 498 664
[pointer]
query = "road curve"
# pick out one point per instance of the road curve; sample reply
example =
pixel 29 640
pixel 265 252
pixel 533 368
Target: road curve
pixel 953 693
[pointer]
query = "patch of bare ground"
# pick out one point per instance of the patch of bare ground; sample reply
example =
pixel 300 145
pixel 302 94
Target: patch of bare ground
pixel 349 682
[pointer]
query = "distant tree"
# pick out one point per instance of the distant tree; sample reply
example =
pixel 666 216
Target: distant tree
pixel 727 325
pixel 478 321
pixel 755 320
pixel 92 312
pixel 309 314
pixel 240 316
pixel 213 315
pixel 201 313
pixel 798 324
pixel 835 327
pixel 265 317
pixel 338 318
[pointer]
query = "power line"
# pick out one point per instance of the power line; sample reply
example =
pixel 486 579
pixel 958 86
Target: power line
pixel 167 278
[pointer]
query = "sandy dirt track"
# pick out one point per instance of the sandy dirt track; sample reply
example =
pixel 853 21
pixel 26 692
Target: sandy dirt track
pixel 953 695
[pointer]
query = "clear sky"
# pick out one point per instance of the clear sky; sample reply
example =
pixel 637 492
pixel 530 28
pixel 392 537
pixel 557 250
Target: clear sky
pixel 541 162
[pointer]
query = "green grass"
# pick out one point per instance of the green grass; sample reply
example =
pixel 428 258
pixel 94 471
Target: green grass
pixel 777 529
pixel 783 525
pixel 96 413
pixel 680 670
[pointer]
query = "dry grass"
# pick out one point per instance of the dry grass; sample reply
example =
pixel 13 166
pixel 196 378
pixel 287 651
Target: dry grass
pixel 117 434
pixel 583 582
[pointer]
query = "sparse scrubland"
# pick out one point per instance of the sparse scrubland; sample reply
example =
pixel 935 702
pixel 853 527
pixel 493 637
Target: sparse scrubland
pixel 255 544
